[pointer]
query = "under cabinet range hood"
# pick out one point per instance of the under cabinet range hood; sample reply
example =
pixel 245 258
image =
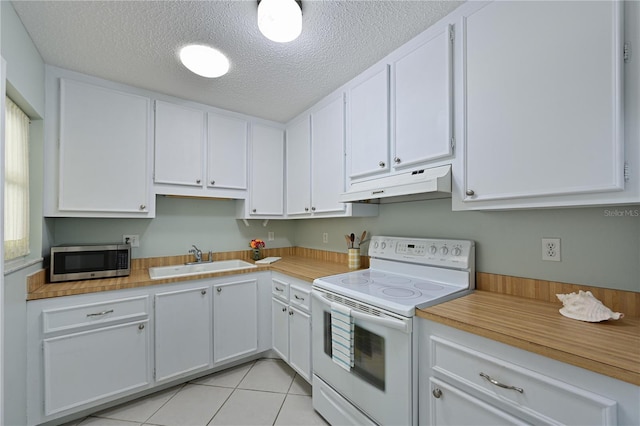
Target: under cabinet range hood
pixel 421 184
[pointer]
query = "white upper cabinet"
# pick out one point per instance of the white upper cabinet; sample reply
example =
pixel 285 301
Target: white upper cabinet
pixel 180 139
pixel 399 113
pixel 422 105
pixel 227 152
pixel 104 149
pixel 327 158
pixel 199 153
pixel 540 105
pixel 298 167
pixel 368 128
pixel 266 189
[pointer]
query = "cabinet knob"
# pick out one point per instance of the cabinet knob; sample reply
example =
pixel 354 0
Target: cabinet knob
pixel 284 309
pixel 198 181
pixel 254 210
pixel 313 209
pixel 219 290
pixel 382 164
pixel 141 327
pixel 470 192
pixel 437 393
pixel 290 312
pixel 142 207
pixel 213 182
pixel 203 292
pixel 397 160
pixel 306 209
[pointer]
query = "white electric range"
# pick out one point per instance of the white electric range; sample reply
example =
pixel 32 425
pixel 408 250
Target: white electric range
pixel 368 376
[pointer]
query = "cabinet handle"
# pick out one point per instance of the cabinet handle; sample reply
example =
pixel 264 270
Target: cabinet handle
pixel 141 327
pixel 219 290
pixel 203 292
pixel 284 309
pixel 142 207
pixel 99 314
pixel 306 209
pixel 290 312
pixel 397 160
pixel 502 385
pixel 313 209
pixel 254 210
pixel 278 289
pixel 198 181
pixel 381 164
pixel 437 393
pixel 470 192
pixel 298 297
pixel 213 182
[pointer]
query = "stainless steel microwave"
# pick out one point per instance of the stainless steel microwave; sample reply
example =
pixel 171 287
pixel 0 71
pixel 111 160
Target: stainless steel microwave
pixel 83 262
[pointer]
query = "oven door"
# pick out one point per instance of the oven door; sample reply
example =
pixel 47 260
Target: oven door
pixel 380 382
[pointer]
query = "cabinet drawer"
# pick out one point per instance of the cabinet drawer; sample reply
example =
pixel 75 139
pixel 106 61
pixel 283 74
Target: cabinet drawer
pixel 300 297
pixel 103 313
pixel 525 393
pixel 280 289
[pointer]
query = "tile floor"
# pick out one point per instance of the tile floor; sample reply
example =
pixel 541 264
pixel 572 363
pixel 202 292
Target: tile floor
pixel 262 392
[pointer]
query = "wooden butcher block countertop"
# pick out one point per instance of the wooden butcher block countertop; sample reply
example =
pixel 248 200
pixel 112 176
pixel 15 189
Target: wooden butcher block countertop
pixel 304 264
pixel 611 347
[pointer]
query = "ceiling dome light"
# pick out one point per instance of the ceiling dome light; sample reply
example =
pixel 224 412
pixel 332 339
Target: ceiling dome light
pixel 280 20
pixel 204 60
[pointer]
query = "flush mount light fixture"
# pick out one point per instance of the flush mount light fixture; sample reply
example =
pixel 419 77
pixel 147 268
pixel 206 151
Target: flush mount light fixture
pixel 204 60
pixel 280 20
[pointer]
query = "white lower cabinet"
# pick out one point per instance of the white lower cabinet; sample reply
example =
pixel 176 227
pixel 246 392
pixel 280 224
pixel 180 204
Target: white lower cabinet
pixel 291 323
pixel 235 320
pixel 466 379
pixel 81 368
pixel 183 332
pixel 87 351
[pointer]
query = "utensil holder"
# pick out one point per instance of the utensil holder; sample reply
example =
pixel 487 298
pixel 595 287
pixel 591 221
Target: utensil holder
pixel 354 258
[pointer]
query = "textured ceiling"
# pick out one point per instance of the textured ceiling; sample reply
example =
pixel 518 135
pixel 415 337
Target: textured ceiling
pixel 137 43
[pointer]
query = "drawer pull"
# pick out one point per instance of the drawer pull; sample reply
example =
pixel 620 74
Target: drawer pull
pixel 278 289
pixel 437 393
pixel 298 297
pixel 99 314
pixel 502 385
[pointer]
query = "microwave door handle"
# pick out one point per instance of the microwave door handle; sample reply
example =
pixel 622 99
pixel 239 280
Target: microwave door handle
pixel 404 326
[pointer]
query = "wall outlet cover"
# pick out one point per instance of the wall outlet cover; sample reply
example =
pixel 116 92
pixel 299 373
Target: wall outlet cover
pixel 551 249
pixel 134 240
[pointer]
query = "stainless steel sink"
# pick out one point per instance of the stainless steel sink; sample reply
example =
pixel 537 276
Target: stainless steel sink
pixel 160 272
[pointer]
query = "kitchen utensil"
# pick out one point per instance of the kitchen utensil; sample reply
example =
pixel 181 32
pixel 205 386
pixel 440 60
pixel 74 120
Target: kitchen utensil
pixel 352 237
pixel 364 234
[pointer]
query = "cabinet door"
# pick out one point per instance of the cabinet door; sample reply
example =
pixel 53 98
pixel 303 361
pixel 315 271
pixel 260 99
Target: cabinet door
pixel 543 105
pixel 84 367
pixel 327 157
pixel 451 406
pixel 368 119
pixel 179 145
pixel 183 332
pixel 422 102
pixel 280 328
pixel 235 320
pixel 267 170
pixel 227 152
pixel 104 141
pixel 300 342
pixel 298 175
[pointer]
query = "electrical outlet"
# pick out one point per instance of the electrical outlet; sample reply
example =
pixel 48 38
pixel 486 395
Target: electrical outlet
pixel 270 236
pixel 325 237
pixel 551 249
pixel 134 240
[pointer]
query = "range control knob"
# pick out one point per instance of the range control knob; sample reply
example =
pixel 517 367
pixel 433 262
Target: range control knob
pixel 433 249
pixel 456 251
pixel 444 250
pixel 383 245
pixel 375 245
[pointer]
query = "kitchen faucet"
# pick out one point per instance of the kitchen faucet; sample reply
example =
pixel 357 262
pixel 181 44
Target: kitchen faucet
pixel 198 255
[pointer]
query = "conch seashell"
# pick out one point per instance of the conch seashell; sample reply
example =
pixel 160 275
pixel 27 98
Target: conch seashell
pixel 583 306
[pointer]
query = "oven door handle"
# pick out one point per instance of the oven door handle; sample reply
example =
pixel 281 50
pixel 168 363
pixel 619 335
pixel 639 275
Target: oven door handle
pixel 404 326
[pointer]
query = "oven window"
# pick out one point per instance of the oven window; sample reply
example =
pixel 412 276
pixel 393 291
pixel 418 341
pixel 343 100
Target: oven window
pixel 369 353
